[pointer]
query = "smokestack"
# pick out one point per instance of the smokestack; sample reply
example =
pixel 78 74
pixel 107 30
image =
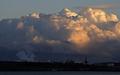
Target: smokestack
pixel 86 60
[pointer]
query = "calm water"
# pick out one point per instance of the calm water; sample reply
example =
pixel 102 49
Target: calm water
pixel 59 73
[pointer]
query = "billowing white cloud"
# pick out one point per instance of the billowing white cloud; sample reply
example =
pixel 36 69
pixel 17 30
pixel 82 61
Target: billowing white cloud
pixel 35 15
pixel 68 13
pixel 99 16
pixel 67 31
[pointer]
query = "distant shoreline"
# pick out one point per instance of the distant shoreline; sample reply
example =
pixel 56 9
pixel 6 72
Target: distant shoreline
pixel 57 66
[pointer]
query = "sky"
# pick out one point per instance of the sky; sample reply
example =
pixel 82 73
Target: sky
pixel 17 8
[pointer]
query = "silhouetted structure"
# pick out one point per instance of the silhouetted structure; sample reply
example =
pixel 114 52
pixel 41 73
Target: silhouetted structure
pixel 57 66
pixel 86 60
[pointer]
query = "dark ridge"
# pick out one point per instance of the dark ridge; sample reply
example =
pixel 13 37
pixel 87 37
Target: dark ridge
pixel 57 66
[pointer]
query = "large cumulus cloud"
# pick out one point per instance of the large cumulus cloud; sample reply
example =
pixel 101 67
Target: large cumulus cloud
pixel 92 31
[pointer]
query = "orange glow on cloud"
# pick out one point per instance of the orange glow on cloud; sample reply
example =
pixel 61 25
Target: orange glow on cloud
pixel 20 25
pixel 79 38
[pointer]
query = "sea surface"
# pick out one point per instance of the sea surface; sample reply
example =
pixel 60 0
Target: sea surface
pixel 60 73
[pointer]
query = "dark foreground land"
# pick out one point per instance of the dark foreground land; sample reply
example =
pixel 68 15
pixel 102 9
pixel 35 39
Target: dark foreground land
pixel 47 66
